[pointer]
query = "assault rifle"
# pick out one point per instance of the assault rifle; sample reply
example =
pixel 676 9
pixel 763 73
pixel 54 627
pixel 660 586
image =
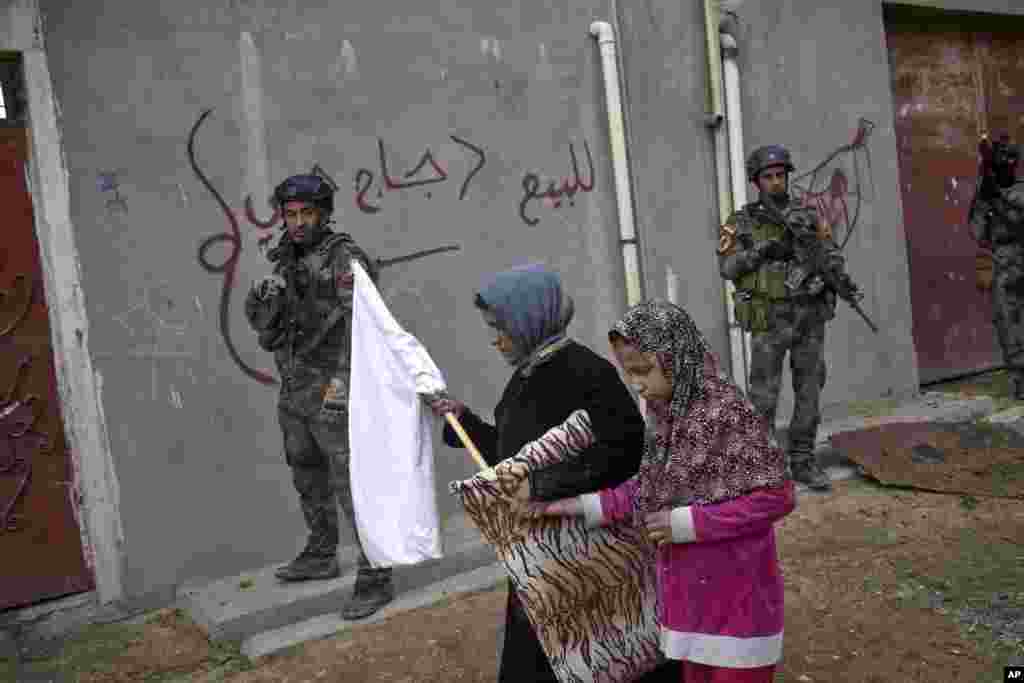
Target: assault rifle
pixel 811 259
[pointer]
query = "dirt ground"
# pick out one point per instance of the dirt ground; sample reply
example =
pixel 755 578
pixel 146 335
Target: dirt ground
pixel 883 585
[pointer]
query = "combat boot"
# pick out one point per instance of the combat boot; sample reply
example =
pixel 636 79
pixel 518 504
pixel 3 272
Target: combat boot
pixel 308 566
pixel 808 472
pixel 373 590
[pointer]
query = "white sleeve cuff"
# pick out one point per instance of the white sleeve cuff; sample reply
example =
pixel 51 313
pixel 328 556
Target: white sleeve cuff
pixel 683 530
pixel 593 515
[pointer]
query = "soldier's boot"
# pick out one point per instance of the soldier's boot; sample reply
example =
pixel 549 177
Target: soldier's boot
pixel 806 470
pixel 373 590
pixel 310 565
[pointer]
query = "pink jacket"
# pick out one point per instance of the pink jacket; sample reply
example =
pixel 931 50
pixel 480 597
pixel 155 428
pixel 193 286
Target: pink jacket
pixel 720 590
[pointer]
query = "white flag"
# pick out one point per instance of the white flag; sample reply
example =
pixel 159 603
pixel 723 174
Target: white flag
pixel 390 434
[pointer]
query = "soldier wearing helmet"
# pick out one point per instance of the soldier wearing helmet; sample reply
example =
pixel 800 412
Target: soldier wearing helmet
pixel 782 305
pixel 302 312
pixel 997 220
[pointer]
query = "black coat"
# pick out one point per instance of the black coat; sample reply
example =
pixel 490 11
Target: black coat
pixel 573 378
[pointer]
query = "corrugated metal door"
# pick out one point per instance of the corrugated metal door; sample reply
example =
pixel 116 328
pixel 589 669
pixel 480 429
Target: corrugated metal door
pixel 954 77
pixel 40 542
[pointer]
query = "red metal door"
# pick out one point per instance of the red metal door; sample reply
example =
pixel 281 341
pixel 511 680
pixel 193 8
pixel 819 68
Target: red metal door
pixel 954 77
pixel 40 543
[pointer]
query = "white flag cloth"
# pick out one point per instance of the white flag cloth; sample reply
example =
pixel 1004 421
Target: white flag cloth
pixel 390 434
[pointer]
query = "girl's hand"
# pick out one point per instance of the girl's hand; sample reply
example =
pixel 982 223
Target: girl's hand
pixel 566 507
pixel 658 526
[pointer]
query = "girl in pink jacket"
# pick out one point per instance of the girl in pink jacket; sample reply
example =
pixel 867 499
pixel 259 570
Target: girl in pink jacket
pixel 711 484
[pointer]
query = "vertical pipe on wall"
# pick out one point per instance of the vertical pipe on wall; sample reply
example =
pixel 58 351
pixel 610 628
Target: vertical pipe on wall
pixel 605 35
pixel 734 117
pixel 737 342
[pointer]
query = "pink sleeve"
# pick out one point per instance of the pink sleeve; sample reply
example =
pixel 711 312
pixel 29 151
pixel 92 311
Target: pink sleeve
pixel 751 514
pixel 617 503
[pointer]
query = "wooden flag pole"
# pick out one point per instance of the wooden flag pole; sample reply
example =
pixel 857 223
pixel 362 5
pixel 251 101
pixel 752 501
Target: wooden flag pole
pixel 466 441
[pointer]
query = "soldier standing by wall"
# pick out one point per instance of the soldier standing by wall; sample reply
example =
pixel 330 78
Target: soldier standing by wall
pixel 303 314
pixel 997 219
pixel 783 301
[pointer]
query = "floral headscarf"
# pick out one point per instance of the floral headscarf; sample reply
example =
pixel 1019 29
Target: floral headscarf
pixel 709 443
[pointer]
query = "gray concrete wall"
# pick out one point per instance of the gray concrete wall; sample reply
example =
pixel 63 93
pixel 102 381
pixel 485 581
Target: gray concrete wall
pixel 665 63
pixel 810 70
pixel 204 489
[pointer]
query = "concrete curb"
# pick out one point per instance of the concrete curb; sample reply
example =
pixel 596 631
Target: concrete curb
pixel 327 625
pixel 238 607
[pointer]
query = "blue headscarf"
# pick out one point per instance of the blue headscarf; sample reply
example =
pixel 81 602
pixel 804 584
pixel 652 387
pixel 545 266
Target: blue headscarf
pixel 529 305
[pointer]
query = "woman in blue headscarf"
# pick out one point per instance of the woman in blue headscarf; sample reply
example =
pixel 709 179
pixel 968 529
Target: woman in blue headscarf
pixel 527 313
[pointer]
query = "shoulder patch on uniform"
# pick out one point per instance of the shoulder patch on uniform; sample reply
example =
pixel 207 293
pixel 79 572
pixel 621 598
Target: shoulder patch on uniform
pixel 727 238
pixel 332 241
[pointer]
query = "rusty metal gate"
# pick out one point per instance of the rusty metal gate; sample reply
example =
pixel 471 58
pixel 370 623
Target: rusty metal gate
pixel 954 76
pixel 40 542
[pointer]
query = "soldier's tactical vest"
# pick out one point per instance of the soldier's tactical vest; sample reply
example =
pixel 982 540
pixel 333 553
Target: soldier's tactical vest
pixel 316 333
pixel 757 291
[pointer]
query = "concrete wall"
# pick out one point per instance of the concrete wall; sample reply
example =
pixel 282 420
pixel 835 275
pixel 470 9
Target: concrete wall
pixel 666 68
pixel 204 489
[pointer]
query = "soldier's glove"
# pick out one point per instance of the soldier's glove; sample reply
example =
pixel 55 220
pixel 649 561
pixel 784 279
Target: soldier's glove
pixel 850 288
pixel 268 286
pixel 777 251
pixel 815 285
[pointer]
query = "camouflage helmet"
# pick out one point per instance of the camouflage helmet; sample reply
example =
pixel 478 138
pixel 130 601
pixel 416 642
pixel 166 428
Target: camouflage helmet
pixel 769 155
pixel 305 188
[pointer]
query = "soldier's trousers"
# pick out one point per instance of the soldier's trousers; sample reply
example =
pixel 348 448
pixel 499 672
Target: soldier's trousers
pixel 1008 308
pixel 317 450
pixel 800 331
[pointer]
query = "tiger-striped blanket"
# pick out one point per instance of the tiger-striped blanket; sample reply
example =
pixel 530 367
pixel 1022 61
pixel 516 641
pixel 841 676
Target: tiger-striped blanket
pixel 589 593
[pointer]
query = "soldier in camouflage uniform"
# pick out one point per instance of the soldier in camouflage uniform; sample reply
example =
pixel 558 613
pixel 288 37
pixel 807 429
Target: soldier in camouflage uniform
pixel 781 302
pixel 303 314
pixel 997 218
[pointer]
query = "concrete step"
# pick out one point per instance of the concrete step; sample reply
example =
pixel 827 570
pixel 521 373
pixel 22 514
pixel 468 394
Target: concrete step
pixel 238 607
pixel 326 625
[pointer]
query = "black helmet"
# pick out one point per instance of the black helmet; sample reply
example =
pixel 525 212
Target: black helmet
pixel 769 155
pixel 305 188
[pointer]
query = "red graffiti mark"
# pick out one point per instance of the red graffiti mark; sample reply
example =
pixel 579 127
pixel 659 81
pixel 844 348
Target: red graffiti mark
pixel 365 177
pixel 393 184
pixel 361 190
pixel 265 232
pixel 17 419
pixel 554 193
pixel 830 204
pixel 831 200
pixel 234 240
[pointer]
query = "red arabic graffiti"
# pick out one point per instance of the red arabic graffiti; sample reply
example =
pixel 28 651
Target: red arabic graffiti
pixel 364 178
pixel 556 191
pixel 265 232
pixel 234 241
